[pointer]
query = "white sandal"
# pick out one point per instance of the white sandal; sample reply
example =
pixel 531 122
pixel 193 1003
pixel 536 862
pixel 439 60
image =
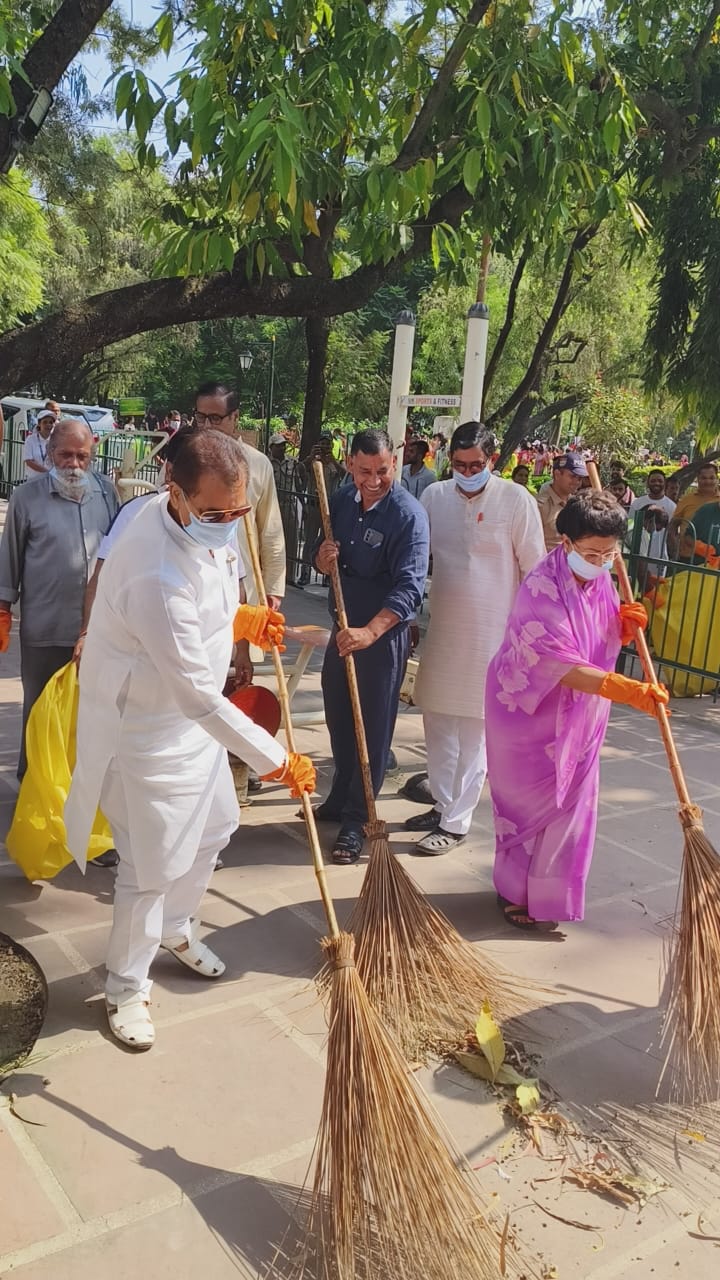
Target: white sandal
pixel 130 1022
pixel 194 953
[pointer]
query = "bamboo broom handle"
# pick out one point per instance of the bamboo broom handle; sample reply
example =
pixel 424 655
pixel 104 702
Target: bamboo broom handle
pixel 360 737
pixel 648 666
pixel 284 700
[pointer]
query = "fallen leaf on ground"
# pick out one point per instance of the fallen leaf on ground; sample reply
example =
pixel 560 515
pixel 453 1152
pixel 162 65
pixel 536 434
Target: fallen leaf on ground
pixel 624 1188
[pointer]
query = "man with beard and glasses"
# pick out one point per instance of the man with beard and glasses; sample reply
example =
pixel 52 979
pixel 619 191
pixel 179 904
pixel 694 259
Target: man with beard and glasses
pixel 53 530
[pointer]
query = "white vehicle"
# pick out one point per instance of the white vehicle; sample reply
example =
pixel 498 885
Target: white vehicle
pixel 21 413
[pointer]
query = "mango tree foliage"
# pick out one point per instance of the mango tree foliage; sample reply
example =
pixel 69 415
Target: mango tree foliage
pixel 314 134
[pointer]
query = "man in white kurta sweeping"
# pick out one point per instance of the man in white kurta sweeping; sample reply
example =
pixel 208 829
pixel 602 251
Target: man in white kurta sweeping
pixel 485 535
pixel 153 727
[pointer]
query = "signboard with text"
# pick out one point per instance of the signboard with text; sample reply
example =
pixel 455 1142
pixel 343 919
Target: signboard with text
pixel 430 402
pixel 131 405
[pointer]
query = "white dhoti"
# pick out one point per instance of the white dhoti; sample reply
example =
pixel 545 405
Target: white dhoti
pixel 456 767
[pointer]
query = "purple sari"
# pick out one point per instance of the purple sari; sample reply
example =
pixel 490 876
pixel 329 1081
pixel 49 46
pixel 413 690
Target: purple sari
pixel 544 740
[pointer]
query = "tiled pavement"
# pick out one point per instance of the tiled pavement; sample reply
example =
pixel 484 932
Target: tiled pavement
pixel 182 1161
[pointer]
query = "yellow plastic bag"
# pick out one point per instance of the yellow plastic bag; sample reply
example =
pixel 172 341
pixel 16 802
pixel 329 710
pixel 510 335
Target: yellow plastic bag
pixel 37 840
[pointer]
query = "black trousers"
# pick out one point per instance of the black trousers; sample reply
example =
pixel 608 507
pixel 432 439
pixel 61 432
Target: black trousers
pixel 37 664
pixel 380 673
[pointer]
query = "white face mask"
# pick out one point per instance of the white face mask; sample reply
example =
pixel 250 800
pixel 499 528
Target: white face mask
pixel 583 569
pixel 472 484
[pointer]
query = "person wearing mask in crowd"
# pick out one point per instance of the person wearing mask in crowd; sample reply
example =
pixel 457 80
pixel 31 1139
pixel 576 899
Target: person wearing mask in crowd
pixel 707 491
pixel 485 535
pixel 550 687
pixel 415 475
pixel 35 451
pixel 381 549
pixel 53 530
pixel 174 422
pixel 568 472
pixel 216 407
pixel 521 474
pixel 154 727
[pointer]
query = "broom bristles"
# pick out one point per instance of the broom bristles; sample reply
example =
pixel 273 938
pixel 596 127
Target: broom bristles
pixel 691 1032
pixel 426 981
pixel 389 1201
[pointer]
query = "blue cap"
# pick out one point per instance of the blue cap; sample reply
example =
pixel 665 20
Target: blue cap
pixel 570 462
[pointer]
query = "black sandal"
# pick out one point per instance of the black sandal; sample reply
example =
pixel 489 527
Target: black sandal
pixel 347 848
pixel 518 917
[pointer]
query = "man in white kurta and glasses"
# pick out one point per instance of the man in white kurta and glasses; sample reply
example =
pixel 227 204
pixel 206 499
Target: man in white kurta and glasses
pixel 485 535
pixel 154 728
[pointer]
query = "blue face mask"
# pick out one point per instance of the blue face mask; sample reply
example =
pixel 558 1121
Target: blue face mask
pixel 472 484
pixel 212 536
pixel 582 569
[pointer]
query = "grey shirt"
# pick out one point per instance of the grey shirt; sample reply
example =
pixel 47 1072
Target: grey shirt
pixel 418 483
pixel 48 552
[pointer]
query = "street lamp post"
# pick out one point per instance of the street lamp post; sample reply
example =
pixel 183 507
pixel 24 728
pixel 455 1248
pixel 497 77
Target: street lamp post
pixel 269 397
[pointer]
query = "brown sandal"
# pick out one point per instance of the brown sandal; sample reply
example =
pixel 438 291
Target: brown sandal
pixel 518 917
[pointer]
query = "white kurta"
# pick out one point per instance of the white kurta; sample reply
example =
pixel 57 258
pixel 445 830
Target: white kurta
pixel 154 664
pixel 481 548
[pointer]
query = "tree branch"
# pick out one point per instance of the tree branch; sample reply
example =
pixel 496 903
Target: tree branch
pixel 106 318
pixel 552 411
pixel 48 59
pixel 411 149
pixel 705 33
pixel 580 240
pixel 509 320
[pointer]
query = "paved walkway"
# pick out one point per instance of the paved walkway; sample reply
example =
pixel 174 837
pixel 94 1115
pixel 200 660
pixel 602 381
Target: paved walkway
pixel 180 1162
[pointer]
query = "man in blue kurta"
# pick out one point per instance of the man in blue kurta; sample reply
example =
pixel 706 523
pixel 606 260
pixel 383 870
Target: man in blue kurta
pixel 381 543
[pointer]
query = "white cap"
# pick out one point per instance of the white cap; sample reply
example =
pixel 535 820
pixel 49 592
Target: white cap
pixel 47 413
pixel 278 438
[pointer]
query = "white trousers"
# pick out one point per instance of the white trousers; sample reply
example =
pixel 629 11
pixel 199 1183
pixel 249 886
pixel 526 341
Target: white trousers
pixel 457 765
pixel 142 919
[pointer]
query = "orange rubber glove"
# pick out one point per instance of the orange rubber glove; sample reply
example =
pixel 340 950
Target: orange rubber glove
pixel 260 625
pixel 5 623
pixel 632 616
pixel 704 549
pixel 633 693
pixel 298 773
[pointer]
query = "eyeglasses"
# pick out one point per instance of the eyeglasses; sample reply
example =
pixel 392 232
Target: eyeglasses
pixel 210 419
pixel 593 557
pixel 469 468
pixel 216 517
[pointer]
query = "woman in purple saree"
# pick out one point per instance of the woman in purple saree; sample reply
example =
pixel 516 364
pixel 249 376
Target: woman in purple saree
pixel 547 704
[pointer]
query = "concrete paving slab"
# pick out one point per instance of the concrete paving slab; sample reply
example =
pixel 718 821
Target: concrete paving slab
pixel 27 1215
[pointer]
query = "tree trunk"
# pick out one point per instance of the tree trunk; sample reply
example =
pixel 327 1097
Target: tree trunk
pixel 317 334
pixel 48 59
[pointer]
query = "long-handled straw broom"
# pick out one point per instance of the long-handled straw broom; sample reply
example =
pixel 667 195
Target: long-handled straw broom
pixel 426 980
pixel 390 1199
pixel 691 1030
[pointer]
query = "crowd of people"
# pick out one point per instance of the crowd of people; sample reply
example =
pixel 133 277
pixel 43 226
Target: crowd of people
pixel 151 601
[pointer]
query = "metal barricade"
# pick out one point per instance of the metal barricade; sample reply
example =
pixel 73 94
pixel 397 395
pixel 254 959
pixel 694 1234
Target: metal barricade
pixel 128 453
pixel 682 598
pixel 301 522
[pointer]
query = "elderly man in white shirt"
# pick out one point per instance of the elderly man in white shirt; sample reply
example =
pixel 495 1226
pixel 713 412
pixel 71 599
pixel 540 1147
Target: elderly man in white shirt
pixel 153 725
pixel 485 536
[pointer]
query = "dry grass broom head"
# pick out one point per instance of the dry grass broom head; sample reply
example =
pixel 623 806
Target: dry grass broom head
pixel 691 1034
pixel 389 1199
pixel 427 982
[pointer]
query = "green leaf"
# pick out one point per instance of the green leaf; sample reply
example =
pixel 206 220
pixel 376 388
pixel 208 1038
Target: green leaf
pixel 611 134
pixel 483 114
pixel 123 92
pixel 435 248
pixel 164 29
pixel 489 1038
pixel 567 62
pixel 472 170
pixel 373 186
pixel 227 253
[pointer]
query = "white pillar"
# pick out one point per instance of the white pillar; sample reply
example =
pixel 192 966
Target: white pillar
pixel 400 381
pixel 475 353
